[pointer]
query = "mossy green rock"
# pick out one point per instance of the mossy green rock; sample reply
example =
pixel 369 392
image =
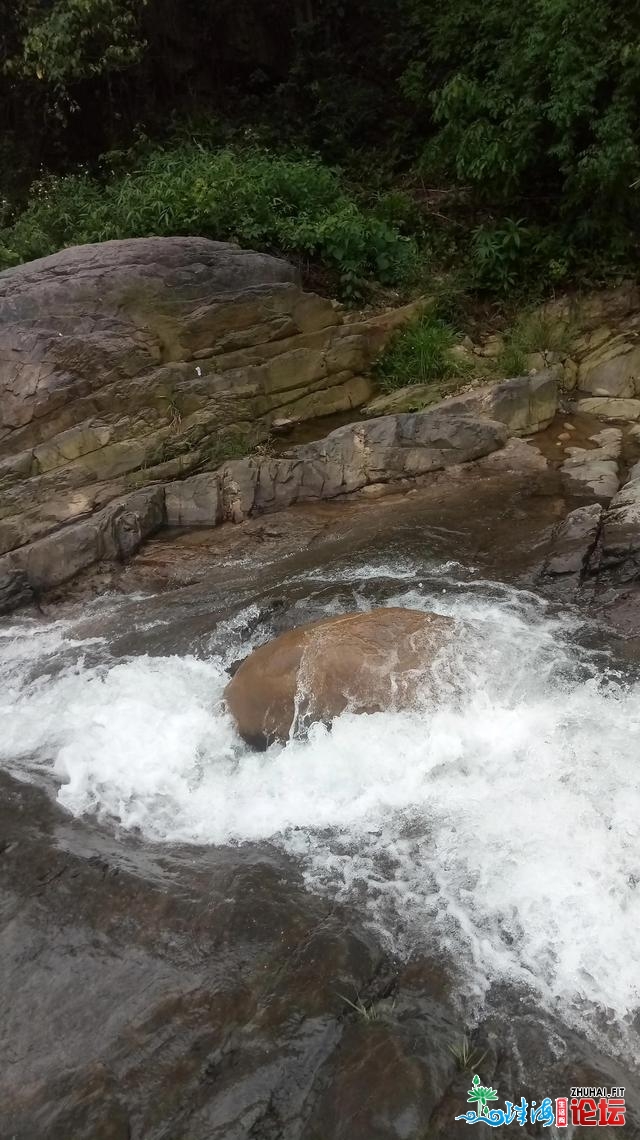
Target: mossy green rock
pixel 410 399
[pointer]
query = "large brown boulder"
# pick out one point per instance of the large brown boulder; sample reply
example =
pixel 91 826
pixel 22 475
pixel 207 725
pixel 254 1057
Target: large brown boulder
pixel 367 662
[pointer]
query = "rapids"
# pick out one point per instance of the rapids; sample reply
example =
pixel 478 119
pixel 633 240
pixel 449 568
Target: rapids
pixel 498 826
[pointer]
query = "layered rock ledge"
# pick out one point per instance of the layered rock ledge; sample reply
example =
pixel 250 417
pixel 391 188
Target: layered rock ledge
pixel 134 362
pixel 126 367
pixel 347 460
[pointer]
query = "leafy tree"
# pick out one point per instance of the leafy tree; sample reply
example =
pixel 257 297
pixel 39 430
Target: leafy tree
pixel 78 39
pixel 535 102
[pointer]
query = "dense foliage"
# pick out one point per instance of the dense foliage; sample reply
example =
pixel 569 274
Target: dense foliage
pixel 295 206
pixel 513 130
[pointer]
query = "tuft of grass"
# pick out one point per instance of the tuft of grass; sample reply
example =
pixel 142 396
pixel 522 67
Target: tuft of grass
pixel 375 1011
pixel 174 413
pixel 533 332
pixel 230 445
pixel 465 1056
pixel 419 354
pixel 512 361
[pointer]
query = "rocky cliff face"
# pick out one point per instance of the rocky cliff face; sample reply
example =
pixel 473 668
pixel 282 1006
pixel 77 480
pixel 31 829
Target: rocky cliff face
pixel 134 361
pixel 602 368
pixel 132 372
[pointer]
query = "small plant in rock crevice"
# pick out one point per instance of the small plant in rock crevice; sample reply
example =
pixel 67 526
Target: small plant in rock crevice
pixel 372 1011
pixel 466 1057
pixel 174 413
pixel 234 444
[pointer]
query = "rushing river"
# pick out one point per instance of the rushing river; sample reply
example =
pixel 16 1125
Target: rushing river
pixel 500 824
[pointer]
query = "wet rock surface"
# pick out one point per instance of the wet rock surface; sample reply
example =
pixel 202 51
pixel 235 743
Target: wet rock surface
pixel 178 992
pixel 364 662
pixel 205 994
pixel 573 542
pixel 621 529
pixel 15 591
pixel 518 498
pixel 596 467
pixel 385 450
pixel 167 992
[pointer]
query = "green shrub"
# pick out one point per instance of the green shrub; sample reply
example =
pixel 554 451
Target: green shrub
pixel 295 206
pixel 534 331
pixel 419 354
pixel 497 256
pixel 512 361
pixel 399 210
pixel 507 258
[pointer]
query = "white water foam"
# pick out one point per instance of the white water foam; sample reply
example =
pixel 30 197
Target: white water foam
pixel 500 824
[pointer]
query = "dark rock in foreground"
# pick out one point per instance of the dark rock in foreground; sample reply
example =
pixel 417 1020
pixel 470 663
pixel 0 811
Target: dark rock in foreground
pixel 148 994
